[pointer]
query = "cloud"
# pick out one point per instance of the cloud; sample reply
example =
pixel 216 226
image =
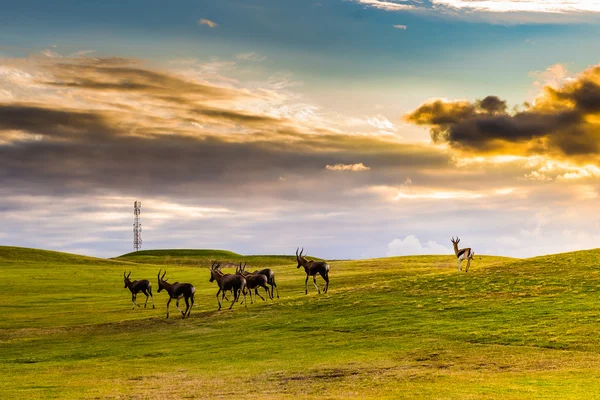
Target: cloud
pixel 410 245
pixel 533 6
pixel 496 11
pixel 403 27
pixel 208 22
pixel 348 167
pixel 84 116
pixel 387 5
pixel 561 123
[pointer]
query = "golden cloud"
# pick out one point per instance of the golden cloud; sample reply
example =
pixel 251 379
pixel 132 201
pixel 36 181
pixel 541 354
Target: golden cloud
pixel 561 123
pixel 347 167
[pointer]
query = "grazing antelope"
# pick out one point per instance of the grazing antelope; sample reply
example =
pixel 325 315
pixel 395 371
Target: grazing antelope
pixel 135 287
pixel 177 291
pixel 462 254
pixel 226 282
pixel 254 281
pixel 312 268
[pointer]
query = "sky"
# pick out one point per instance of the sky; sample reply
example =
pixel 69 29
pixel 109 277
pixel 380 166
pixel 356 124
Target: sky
pixel 352 128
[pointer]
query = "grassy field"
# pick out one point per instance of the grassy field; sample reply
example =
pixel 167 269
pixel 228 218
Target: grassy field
pixel 403 327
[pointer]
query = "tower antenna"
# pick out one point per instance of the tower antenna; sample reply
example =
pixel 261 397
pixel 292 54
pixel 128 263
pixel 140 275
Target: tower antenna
pixel 137 226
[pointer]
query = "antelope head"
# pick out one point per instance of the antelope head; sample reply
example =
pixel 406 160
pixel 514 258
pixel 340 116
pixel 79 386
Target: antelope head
pixel 300 258
pixel 126 279
pixel 455 240
pixel 161 281
pixel 214 270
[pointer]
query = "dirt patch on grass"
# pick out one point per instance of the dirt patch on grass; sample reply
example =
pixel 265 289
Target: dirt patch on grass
pixel 325 374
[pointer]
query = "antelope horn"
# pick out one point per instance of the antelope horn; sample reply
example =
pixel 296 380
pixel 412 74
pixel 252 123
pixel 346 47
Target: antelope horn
pixel 164 275
pixel 301 251
pixel 129 274
pixel 298 248
pixel 159 273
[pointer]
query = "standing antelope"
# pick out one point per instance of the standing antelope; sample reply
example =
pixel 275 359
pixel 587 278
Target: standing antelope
pixel 254 281
pixel 312 268
pixel 177 291
pixel 235 283
pixel 462 254
pixel 135 287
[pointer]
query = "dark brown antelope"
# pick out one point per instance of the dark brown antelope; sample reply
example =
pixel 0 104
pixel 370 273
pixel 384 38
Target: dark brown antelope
pixel 270 279
pixel 135 287
pixel 226 282
pixel 177 291
pixel 253 282
pixel 312 268
pixel 463 254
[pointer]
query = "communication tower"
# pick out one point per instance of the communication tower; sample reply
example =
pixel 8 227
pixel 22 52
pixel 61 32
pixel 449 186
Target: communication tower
pixel 137 226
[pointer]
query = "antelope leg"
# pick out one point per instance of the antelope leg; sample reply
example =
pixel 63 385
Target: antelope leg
pixel 168 302
pixel 187 307
pixel 306 285
pixel 134 298
pixel 146 299
pixel 256 293
pixel 177 306
pixel 315 283
pixel 219 301
pixel 192 305
pixel 235 298
pixel 222 297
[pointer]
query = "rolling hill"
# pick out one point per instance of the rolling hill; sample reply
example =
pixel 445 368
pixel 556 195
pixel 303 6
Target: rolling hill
pixel 401 327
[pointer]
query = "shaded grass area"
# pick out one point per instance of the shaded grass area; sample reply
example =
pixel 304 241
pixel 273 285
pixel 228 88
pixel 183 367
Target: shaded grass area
pixel 204 258
pixel 404 327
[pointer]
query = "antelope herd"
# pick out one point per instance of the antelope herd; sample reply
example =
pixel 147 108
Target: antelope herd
pixel 242 282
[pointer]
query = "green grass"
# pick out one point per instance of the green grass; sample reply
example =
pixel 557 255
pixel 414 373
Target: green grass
pixel 403 327
pixel 202 258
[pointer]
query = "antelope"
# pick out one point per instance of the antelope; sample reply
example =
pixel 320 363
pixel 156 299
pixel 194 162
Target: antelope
pixel 177 291
pixel 233 282
pixel 254 281
pixel 135 287
pixel 462 254
pixel 312 268
pixel 270 279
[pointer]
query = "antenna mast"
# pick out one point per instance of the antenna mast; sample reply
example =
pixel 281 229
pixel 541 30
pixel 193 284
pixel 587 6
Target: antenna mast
pixel 137 226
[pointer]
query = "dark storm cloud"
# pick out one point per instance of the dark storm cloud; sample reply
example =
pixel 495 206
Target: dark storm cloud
pixel 562 122
pixel 63 123
pixel 208 167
